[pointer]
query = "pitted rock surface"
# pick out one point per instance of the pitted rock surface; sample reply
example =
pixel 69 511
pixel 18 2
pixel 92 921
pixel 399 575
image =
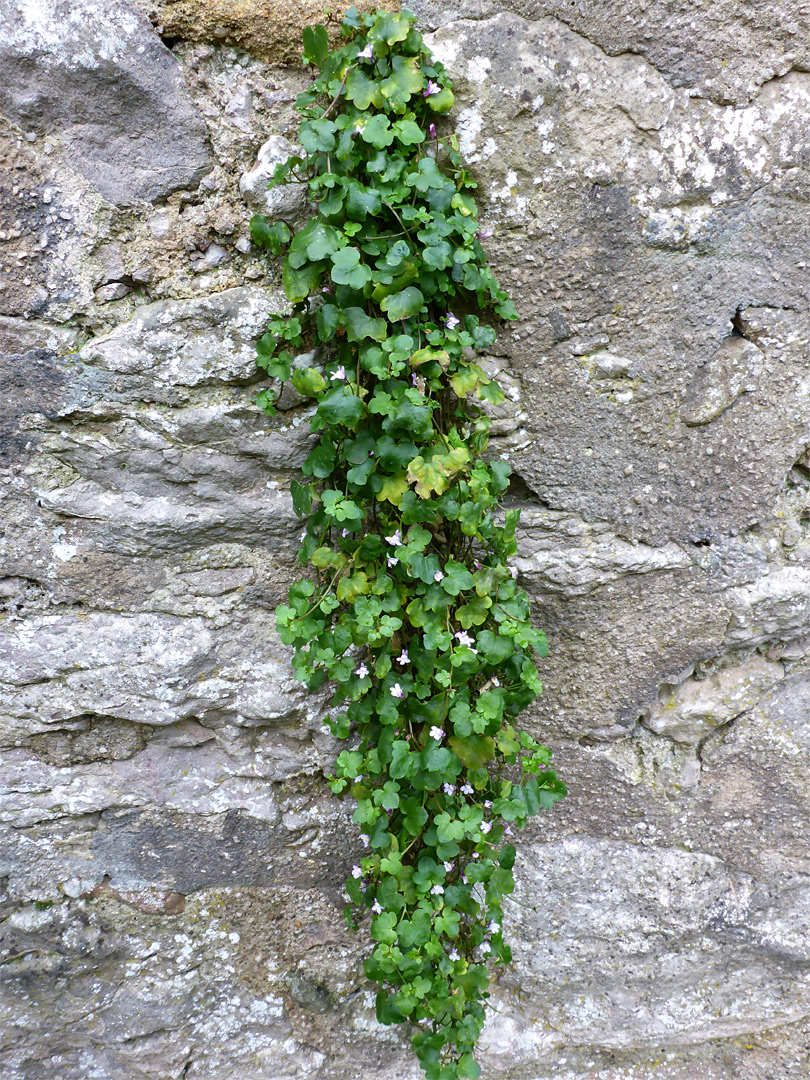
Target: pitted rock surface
pixel 171 857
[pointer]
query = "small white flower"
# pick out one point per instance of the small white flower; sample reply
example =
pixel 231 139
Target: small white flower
pixel 508 831
pixel 344 533
pixel 463 638
pixel 513 571
pixel 437 890
pixel 403 657
pixel 438 576
pixel 485 826
pixel 476 855
pixel 362 671
pixel 451 322
pixel 365 838
pixel 376 907
pixel 436 733
pixel 467 788
pixel 496 681
pixel 303 536
pixel 393 562
pixel 494 927
pixel 486 947
pixel 357 872
pixel 488 804
pixel 397 691
pixel 449 789
pixel 367 53
pixel 453 955
pixel 339 373
pixel 448 866
pixel 395 539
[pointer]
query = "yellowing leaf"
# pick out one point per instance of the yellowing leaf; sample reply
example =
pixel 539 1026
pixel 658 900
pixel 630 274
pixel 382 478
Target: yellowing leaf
pixel 422 356
pixel 350 587
pixel 394 487
pixel 428 476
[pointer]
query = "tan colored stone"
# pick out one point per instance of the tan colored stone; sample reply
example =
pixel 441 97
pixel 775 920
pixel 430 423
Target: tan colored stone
pixel 267 29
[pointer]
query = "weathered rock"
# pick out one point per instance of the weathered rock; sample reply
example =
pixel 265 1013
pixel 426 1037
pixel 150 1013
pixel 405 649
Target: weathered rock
pixel 691 711
pixel 171 858
pixel 223 330
pixel 97 78
pixel 280 201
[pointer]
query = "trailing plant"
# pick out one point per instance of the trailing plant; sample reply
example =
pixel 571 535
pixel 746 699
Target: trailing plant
pixel 410 607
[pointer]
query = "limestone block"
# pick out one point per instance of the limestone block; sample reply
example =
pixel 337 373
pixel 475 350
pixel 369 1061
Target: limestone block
pixel 283 201
pixel 691 711
pixel 97 77
pixel 190 342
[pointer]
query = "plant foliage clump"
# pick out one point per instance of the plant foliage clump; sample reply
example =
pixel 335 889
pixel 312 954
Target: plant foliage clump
pixel 409 606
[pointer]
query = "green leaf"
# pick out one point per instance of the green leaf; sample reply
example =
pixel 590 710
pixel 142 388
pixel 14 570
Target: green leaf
pixel 316 45
pixel 403 304
pixel 377 131
pixel 299 283
pixel 308 381
pixel 441 102
pixel 363 91
pixel 359 326
pixel 390 28
pixel 348 270
pixel 318 136
pixel 474 613
pixel 341 406
pixel 269 236
pixel 405 80
pixel 408 132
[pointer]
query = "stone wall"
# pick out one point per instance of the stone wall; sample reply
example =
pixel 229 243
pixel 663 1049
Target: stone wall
pixel 171 860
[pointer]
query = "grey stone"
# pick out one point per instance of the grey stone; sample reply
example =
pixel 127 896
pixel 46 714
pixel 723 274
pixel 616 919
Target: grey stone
pixel 280 201
pixel 223 329
pixel 100 80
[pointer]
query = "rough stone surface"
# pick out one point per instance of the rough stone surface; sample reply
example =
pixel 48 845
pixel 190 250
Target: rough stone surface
pixel 171 858
pixel 96 78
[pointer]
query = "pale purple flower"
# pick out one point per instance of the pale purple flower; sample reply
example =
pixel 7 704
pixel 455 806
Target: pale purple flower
pixel 448 866
pixel 437 890
pixel 486 947
pixel 362 671
pixel 513 571
pixel 451 322
pixel 303 536
pixel 438 576
pixel 395 539
pixel 367 53
pixel 397 691
pixel 339 373
pixel 478 565
pixel 475 855
pixel 431 89
pixel 436 732
pixel 453 955
pixel 403 657
pixel 488 804
pixel 357 872
pixel 344 533
pixel 496 681
pixel 485 826
pixel 482 234
pixel 463 638
pixel 508 831
pixel 376 907
pixel 393 562
pixel 467 788
pixel 464 879
pixel 432 131
pixel 449 789
pixel 365 838
pixel 494 927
